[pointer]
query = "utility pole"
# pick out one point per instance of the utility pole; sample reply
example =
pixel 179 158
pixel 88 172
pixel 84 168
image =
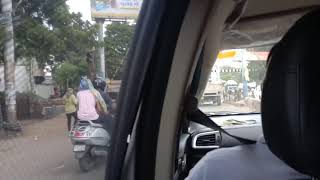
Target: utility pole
pixel 92 65
pixel 9 66
pixel 1 116
pixel 244 78
pixel 102 63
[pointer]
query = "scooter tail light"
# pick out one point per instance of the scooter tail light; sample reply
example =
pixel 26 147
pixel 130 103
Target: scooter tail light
pixel 79 134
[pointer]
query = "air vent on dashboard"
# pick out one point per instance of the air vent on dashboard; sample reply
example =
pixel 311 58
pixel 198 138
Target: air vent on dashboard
pixel 206 140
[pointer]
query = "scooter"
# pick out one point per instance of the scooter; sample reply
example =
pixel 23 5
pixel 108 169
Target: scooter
pixel 90 141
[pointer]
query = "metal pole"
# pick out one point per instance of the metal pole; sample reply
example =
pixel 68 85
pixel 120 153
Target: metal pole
pixel 9 67
pixel 244 81
pixel 1 115
pixel 102 63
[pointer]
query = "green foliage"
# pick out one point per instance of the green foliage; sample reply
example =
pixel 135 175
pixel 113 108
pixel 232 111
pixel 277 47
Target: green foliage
pixel 78 39
pixel 257 71
pixel 117 40
pixel 236 76
pixel 47 31
pixel 68 74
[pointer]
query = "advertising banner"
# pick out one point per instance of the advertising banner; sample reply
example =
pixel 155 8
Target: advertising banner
pixel 115 9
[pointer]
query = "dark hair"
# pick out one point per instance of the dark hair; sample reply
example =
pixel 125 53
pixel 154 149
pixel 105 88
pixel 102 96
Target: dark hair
pixel 99 84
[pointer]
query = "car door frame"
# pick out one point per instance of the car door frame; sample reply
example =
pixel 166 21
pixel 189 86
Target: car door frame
pixel 143 88
pixel 149 100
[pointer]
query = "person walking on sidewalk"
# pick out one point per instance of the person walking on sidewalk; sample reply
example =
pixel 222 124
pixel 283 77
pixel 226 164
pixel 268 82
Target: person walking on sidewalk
pixel 70 107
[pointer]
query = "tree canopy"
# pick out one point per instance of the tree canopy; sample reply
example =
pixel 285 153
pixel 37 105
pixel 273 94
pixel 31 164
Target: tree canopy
pixel 231 75
pixel 116 42
pixel 47 31
pixel 68 74
pixel 257 71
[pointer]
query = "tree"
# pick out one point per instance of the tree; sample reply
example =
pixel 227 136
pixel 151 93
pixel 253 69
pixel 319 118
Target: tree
pixel 226 75
pixel 257 71
pixel 117 40
pixel 48 32
pixel 68 74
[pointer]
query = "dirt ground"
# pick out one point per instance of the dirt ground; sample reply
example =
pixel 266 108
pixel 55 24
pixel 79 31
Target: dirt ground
pixel 42 152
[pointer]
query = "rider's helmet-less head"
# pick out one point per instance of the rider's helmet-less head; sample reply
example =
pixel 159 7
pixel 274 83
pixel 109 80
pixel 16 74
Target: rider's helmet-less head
pixel 99 83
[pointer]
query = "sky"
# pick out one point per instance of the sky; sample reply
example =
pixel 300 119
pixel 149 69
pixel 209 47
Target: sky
pixel 82 6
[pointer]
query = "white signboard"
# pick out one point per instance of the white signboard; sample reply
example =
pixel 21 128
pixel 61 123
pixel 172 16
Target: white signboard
pixel 115 9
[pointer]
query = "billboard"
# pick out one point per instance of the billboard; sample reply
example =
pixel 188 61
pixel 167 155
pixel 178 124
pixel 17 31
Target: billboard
pixel 115 9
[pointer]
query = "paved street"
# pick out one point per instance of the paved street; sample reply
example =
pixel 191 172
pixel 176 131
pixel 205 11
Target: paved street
pixel 43 152
pixel 226 107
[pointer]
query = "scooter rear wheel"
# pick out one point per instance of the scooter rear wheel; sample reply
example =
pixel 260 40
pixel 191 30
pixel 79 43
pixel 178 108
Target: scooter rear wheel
pixel 87 162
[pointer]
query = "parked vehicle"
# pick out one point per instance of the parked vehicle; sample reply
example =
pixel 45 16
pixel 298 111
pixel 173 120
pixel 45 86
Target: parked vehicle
pixel 90 140
pixel 213 94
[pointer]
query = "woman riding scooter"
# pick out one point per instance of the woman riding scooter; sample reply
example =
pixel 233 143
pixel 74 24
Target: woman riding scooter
pixel 90 102
pixel 89 137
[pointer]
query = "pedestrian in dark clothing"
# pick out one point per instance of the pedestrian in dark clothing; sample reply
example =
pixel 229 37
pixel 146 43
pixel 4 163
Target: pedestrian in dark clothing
pixel 106 120
pixel 100 85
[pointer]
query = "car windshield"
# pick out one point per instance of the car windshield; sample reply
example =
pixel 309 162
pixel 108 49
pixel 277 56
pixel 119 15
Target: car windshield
pixel 235 82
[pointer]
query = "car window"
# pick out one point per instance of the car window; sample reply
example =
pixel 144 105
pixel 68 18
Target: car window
pixel 236 81
pixel 61 68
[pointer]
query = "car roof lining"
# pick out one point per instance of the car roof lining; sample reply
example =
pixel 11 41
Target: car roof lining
pixel 261 30
pixel 257 8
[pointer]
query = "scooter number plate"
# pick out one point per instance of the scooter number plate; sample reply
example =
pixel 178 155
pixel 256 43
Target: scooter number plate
pixel 78 148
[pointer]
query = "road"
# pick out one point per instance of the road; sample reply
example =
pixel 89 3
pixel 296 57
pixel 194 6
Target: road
pixel 226 107
pixel 43 152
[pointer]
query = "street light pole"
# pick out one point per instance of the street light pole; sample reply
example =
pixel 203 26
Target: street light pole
pixel 9 64
pixel 244 80
pixel 102 63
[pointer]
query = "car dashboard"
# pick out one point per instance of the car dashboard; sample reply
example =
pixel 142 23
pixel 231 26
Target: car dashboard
pixel 202 139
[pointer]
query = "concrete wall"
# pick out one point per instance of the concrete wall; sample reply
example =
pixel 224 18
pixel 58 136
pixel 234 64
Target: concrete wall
pixel 22 78
pixel 23 81
pixel 43 91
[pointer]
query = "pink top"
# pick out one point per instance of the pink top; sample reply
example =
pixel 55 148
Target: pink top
pixel 87 106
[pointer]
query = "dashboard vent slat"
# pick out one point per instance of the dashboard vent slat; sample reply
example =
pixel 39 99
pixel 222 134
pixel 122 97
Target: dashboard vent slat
pixel 206 140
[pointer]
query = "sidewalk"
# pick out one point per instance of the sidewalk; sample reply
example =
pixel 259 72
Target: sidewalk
pixel 30 127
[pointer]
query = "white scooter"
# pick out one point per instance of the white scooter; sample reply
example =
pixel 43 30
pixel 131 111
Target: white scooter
pixel 90 141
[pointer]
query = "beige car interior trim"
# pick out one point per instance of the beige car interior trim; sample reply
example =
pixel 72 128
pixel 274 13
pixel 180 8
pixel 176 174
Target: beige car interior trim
pixel 213 43
pixel 258 7
pixel 187 48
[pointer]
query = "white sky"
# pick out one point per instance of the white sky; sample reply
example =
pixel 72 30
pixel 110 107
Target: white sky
pixel 82 6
